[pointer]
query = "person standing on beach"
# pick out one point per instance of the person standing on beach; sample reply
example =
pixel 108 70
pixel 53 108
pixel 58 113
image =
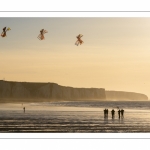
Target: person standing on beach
pixel 113 113
pixel 105 113
pixel 119 113
pixel 24 109
pixel 122 113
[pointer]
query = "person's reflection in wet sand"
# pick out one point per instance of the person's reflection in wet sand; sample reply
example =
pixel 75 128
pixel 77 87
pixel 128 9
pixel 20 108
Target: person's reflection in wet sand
pixel 106 120
pixel 122 120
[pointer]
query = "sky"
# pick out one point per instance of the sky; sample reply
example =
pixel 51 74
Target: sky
pixel 115 54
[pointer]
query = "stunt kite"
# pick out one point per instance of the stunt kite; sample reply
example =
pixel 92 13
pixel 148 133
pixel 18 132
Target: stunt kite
pixel 79 41
pixel 3 34
pixel 41 35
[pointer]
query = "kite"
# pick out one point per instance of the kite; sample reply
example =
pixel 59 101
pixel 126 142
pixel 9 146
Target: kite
pixel 3 34
pixel 41 35
pixel 79 41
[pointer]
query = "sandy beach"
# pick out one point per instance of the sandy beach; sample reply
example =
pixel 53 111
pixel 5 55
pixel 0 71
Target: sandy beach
pixel 72 117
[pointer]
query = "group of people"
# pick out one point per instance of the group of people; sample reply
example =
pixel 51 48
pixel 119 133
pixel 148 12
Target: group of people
pixel 120 113
pixel 105 113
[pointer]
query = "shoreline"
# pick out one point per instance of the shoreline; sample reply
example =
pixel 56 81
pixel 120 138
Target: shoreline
pixel 7 100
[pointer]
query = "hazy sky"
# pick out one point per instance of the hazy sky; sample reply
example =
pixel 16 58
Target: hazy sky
pixel 115 54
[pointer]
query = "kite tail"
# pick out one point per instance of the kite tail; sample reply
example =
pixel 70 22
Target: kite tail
pixel 8 29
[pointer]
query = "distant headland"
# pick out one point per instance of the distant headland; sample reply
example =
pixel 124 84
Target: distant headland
pixel 34 91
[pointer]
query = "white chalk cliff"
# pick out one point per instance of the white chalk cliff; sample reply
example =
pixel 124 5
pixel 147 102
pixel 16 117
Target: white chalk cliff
pixel 53 91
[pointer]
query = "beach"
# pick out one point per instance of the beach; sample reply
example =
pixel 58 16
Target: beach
pixel 74 117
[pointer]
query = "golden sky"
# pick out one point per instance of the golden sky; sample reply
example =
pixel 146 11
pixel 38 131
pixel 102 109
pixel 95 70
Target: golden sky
pixel 115 54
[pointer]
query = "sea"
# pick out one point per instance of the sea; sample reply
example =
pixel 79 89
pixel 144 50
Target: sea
pixel 75 117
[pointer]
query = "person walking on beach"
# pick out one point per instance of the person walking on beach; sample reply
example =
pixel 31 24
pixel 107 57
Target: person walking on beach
pixel 119 113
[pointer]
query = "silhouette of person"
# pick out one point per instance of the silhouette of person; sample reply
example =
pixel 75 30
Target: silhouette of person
pixel 24 109
pixel 119 113
pixel 122 113
pixel 105 113
pixel 113 113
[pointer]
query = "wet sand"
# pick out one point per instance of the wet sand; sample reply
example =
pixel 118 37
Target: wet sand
pixel 69 119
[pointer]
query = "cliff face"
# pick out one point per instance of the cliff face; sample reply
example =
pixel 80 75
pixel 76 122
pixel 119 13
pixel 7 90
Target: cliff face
pixel 48 91
pixel 52 91
pixel 120 95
